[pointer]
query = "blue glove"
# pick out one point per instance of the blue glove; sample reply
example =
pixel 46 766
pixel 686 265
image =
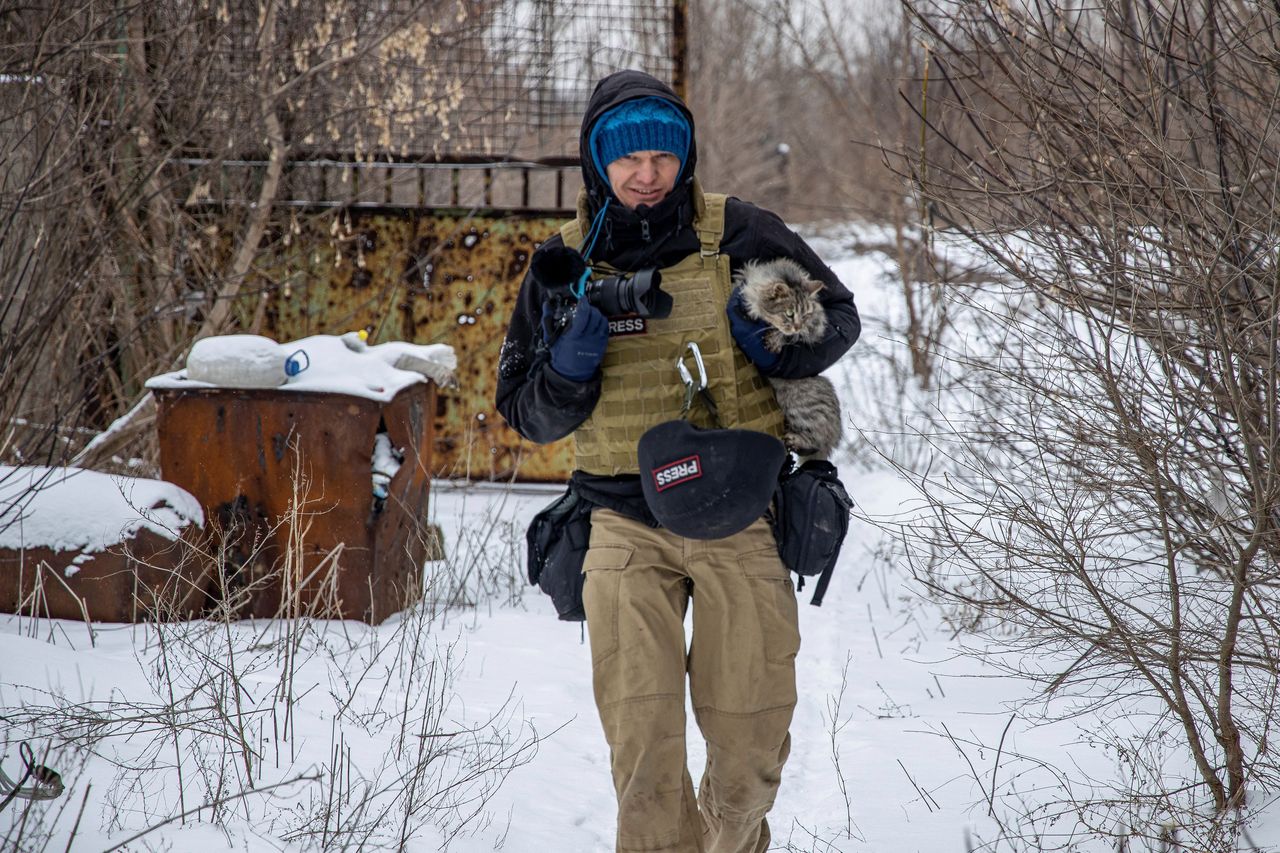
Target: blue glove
pixel 749 334
pixel 577 352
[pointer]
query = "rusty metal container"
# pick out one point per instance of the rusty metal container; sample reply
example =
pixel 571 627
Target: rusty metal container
pixel 284 479
pixel 143 578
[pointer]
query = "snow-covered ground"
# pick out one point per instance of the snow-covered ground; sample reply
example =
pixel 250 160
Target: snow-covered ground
pixel 899 739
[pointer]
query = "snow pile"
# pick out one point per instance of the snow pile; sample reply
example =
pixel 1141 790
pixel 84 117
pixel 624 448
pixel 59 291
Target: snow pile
pixel 69 509
pixel 321 363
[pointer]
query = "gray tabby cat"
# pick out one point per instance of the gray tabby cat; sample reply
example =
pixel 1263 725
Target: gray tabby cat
pixel 783 295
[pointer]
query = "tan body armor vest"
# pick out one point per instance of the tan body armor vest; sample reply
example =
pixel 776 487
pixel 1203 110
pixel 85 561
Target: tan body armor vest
pixel 641 385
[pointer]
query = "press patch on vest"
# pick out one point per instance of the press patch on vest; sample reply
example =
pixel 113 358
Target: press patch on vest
pixel 631 324
pixel 675 473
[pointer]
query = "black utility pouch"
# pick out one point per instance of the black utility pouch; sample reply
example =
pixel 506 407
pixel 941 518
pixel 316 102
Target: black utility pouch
pixel 810 518
pixel 557 541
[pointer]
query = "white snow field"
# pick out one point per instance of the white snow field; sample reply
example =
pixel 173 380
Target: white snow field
pixel 899 738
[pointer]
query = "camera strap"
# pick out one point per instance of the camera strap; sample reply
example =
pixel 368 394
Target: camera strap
pixel 579 288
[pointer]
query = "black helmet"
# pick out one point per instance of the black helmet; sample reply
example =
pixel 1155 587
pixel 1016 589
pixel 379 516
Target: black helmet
pixel 708 483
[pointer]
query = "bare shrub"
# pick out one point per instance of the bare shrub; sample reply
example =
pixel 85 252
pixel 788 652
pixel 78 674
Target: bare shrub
pixel 483 562
pixel 329 735
pixel 1113 510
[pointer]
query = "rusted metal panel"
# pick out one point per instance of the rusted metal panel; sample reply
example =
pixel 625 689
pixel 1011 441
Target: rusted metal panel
pixel 429 277
pixel 146 577
pixel 284 479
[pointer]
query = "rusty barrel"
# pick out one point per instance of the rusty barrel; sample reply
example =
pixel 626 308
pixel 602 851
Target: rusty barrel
pixel 291 519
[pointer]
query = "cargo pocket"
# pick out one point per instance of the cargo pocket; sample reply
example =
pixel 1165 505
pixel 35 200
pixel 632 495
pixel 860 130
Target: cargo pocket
pixel 775 599
pixel 603 567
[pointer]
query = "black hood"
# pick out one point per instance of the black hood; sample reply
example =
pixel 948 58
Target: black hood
pixel 624 227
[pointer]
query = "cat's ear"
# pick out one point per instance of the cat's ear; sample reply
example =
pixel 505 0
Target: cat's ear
pixel 812 285
pixel 778 290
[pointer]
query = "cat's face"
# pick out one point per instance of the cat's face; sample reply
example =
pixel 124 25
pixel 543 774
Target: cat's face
pixel 791 309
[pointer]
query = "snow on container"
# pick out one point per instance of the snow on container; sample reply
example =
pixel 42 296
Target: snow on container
pixel 316 490
pixel 78 544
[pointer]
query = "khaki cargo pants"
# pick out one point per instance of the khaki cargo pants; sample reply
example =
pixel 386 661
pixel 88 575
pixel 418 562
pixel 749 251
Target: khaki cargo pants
pixel 741 671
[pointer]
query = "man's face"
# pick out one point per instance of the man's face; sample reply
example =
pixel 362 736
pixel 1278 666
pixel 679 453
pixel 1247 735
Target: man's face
pixel 643 177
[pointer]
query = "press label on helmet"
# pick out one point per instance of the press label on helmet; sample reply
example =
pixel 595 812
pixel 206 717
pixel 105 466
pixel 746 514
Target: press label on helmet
pixel 629 325
pixel 675 473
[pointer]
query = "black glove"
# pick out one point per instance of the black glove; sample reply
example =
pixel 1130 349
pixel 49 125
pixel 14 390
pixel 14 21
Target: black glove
pixel 749 333
pixel 577 350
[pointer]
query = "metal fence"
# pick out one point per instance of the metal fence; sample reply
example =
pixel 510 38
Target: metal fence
pixel 579 41
pixel 455 103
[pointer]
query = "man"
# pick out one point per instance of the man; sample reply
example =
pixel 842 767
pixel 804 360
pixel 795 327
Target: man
pixel 606 381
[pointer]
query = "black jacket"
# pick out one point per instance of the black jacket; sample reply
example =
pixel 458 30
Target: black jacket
pixel 543 406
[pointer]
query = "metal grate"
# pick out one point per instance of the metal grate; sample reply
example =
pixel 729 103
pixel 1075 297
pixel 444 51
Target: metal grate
pixel 454 78
pixel 554 51
pixel 435 84
pixel 578 42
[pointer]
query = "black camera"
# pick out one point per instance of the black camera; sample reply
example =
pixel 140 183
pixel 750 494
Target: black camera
pixel 558 268
pixel 640 294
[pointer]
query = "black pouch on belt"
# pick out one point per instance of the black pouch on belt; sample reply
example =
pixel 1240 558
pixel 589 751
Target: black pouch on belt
pixel 810 517
pixel 557 541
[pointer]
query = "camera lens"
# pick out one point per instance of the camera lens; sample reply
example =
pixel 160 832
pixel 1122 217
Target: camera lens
pixel 640 295
pixel 610 295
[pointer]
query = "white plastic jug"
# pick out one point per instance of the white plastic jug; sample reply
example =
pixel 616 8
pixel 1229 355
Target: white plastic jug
pixel 237 361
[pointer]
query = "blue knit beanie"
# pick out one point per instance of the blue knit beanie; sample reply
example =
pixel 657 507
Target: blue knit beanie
pixel 645 124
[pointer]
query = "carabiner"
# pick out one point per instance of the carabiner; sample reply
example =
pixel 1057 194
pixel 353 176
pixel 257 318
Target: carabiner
pixel 691 390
